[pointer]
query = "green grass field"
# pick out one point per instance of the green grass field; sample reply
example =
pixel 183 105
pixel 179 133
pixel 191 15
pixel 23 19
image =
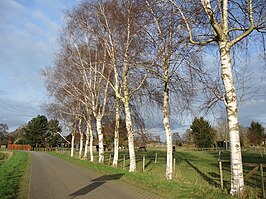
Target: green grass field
pixel 11 173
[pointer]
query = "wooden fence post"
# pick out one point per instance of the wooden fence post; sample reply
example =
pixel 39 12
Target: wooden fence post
pixel 156 156
pixel 143 163
pixel 124 162
pixel 110 157
pixel 221 174
pixel 262 181
pixel 174 167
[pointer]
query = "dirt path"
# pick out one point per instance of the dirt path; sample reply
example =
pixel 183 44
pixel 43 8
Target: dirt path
pixel 54 178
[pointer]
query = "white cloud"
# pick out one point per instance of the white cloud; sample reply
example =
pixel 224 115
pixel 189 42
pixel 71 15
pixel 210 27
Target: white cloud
pixel 253 111
pixel 10 10
pixel 45 22
pixel 16 112
pixel 29 30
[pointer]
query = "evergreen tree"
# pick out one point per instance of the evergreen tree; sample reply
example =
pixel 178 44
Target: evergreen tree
pixel 202 132
pixel 256 133
pixel 52 137
pixel 36 131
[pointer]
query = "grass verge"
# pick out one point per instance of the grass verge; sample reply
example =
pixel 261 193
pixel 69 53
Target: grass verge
pixel 3 157
pixel 11 173
pixel 24 185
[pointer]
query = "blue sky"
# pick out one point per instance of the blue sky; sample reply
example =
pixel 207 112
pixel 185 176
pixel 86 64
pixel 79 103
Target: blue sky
pixel 28 41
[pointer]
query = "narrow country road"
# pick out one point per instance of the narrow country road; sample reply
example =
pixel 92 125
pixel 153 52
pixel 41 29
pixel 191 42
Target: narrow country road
pixel 54 178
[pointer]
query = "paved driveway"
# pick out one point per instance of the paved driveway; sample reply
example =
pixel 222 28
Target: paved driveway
pixel 54 178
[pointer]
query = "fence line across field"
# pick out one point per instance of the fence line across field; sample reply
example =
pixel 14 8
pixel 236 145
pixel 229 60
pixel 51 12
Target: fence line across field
pixel 255 166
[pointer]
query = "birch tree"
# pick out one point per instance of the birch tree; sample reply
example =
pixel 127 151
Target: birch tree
pixel 225 23
pixel 169 64
pixel 92 63
pixel 81 136
pixel 122 22
pixel 67 90
pixel 116 133
pixel 99 102
pixel 115 26
pixel 73 133
pixel 65 110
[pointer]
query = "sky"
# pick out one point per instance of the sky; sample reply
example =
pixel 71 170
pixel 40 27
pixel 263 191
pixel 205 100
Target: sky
pixel 28 42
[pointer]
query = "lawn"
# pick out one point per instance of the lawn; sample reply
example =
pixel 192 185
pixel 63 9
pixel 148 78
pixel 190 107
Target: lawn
pixel 11 173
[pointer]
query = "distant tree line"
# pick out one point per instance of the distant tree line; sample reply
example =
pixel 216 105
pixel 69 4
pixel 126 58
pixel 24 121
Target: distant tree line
pixel 41 132
pixel 38 132
pixel 201 134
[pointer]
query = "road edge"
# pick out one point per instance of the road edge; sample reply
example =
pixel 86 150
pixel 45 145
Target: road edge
pixel 24 185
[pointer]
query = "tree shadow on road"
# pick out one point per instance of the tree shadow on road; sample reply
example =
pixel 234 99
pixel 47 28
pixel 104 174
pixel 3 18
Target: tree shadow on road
pixel 95 183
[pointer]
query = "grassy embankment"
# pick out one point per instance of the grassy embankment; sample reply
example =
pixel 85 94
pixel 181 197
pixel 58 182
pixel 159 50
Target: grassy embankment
pixel 12 175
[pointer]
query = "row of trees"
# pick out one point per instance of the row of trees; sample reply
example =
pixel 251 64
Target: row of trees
pixel 38 132
pixel 115 54
pixel 201 134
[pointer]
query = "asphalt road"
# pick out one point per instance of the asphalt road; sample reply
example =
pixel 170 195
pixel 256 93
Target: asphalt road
pixel 54 178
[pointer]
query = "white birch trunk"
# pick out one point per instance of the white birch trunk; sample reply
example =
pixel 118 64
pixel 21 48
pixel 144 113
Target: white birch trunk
pixel 91 145
pixel 100 139
pixel 72 144
pixel 89 136
pixel 237 180
pixel 87 140
pixel 80 139
pixel 85 157
pixel 132 166
pixel 116 138
pixel 80 144
pixel 169 157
